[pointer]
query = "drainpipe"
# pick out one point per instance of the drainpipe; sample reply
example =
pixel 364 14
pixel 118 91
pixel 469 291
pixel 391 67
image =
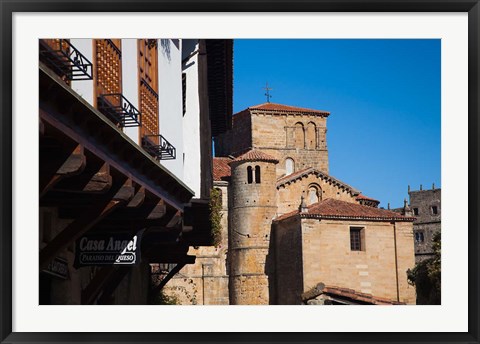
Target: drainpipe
pixel 396 259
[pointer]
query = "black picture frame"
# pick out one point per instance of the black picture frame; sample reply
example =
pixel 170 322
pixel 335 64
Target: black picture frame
pixel 8 7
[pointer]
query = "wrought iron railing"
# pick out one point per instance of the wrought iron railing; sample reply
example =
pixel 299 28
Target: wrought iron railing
pixel 119 110
pixel 158 147
pixel 65 60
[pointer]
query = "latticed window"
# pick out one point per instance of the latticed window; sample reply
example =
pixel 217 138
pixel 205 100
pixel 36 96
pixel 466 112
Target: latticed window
pixel 148 76
pixel 108 69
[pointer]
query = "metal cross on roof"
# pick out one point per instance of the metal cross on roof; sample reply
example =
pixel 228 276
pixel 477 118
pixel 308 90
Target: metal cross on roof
pixel 267 94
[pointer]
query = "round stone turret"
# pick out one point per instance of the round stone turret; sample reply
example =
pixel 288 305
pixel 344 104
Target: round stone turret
pixel 254 205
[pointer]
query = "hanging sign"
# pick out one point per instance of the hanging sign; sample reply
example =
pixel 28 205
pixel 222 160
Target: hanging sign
pixel 58 267
pixel 108 249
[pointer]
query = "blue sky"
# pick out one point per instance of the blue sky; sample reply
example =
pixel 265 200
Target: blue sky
pixel 383 97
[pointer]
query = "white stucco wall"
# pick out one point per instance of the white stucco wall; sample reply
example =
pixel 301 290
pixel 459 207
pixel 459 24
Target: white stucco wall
pixel 182 131
pixel 191 120
pixel 84 87
pixel 130 81
pixel 170 101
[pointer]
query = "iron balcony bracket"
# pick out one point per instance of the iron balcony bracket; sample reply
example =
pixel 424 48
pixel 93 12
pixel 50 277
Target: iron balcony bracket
pixel 66 60
pixel 158 147
pixel 119 110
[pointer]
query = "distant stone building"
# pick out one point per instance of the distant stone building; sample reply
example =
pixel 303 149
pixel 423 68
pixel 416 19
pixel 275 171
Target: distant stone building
pixel 425 206
pixel 291 226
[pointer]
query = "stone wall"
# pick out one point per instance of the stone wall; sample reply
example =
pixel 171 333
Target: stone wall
pixel 289 195
pixel 252 209
pixel 202 283
pixel 405 252
pixel 299 137
pixel 206 281
pixel 287 242
pixel 328 258
pixel 427 223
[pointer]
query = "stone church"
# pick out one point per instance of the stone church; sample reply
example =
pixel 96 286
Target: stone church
pixel 291 232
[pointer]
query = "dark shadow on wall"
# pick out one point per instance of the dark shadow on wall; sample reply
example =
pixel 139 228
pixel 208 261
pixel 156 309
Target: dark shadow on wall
pixel 270 269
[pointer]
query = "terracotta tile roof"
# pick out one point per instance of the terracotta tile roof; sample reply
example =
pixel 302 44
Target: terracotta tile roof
pixel 255 155
pixel 359 296
pixel 348 294
pixel 310 170
pixel 287 108
pixel 336 209
pixel 363 197
pixel 366 198
pixel 221 169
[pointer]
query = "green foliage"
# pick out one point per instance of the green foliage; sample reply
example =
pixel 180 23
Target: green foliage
pixel 216 215
pixel 426 276
pixel 164 299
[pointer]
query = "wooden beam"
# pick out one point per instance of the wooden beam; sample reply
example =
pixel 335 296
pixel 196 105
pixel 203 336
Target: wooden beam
pixel 138 199
pixel 41 127
pixel 149 213
pixel 175 220
pixel 54 169
pixel 154 292
pixel 86 220
pixel 90 293
pixel 113 283
pixel 104 283
pixel 158 211
pixel 170 258
pixel 95 178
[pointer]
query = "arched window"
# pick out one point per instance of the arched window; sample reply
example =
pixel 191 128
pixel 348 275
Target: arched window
pixel 249 175
pixel 257 174
pixel 311 135
pixel 314 194
pixel 299 136
pixel 289 166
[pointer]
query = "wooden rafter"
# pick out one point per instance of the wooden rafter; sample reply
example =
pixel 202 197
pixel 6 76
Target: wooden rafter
pixel 59 165
pixel 95 178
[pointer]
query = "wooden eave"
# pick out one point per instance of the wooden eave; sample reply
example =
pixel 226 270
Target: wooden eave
pixel 220 83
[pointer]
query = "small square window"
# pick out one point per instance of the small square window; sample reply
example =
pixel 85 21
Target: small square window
pixel 415 211
pixel 419 237
pixel 357 239
pixel 434 210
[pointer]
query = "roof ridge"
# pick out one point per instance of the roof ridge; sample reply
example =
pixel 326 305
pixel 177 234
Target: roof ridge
pixel 331 208
pixel 299 174
pixel 285 108
pixel 255 155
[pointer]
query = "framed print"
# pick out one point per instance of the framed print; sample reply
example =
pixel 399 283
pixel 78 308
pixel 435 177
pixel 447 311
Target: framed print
pixel 167 173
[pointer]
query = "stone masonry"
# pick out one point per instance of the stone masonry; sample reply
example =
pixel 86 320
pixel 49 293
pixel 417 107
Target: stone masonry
pixel 426 208
pixel 252 211
pixel 273 160
pixel 281 131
